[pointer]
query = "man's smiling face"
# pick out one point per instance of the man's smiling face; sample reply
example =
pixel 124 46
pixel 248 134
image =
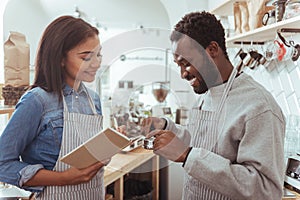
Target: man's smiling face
pixel 195 64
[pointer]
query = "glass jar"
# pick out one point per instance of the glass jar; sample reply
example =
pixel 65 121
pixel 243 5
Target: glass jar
pixel 279 9
pixel 292 9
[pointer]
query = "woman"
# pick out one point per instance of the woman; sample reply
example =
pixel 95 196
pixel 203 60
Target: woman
pixel 56 115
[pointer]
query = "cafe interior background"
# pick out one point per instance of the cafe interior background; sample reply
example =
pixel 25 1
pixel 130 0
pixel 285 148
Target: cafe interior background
pixel 128 79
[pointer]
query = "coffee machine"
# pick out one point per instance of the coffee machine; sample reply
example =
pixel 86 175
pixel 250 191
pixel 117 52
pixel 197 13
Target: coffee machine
pixel 160 91
pixel 292 174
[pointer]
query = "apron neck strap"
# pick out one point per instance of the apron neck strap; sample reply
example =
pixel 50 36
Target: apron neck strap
pixel 227 89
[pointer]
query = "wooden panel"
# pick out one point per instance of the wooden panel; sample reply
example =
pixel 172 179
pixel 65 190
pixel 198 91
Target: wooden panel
pixel 155 178
pixel 119 189
pixel 124 162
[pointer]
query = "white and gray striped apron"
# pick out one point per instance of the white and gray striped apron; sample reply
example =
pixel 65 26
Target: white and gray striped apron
pixel 203 126
pixel 77 129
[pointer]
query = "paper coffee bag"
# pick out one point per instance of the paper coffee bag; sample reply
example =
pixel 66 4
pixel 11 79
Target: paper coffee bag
pixel 16 60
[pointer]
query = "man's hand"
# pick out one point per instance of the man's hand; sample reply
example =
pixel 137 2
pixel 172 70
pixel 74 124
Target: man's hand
pixel 168 145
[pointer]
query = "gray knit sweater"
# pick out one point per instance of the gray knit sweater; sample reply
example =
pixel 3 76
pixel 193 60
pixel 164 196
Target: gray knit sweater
pixel 250 161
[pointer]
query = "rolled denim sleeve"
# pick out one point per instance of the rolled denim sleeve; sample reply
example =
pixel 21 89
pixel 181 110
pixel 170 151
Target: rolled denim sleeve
pixel 27 173
pixel 20 131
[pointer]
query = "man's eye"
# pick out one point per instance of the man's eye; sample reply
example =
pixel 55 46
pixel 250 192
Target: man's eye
pixel 184 65
pixel 86 59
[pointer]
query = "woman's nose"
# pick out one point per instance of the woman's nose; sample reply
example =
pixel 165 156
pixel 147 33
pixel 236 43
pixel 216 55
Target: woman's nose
pixel 96 61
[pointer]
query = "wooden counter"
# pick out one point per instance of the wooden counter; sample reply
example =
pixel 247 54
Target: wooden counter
pixel 7 110
pixel 289 190
pixel 122 163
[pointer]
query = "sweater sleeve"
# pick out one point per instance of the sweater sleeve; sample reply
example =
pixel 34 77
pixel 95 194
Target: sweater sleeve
pixel 180 131
pixel 258 171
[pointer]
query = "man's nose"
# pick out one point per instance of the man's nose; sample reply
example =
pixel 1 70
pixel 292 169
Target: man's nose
pixel 184 73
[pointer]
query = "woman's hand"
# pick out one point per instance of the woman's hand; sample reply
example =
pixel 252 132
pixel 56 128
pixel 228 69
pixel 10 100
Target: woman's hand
pixel 73 176
pixel 122 129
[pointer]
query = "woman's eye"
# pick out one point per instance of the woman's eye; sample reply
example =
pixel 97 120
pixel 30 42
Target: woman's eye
pixel 99 55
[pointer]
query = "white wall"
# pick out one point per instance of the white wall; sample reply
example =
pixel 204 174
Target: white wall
pixel 2 9
pixel 177 10
pixel 28 18
pixel 213 4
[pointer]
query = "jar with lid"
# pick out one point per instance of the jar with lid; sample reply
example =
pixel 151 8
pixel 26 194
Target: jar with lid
pixel 292 9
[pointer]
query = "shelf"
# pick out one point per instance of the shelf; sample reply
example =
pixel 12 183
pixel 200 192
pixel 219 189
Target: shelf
pixel 262 34
pixel 224 9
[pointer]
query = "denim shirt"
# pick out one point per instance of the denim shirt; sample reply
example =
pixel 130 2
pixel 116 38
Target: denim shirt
pixel 32 138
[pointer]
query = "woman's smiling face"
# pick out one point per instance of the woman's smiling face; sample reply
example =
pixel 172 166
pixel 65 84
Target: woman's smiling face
pixel 82 62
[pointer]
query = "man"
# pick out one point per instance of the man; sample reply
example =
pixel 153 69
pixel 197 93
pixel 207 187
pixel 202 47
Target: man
pixel 233 145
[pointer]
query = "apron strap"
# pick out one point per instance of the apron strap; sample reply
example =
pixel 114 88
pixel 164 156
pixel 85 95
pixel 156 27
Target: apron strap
pixel 91 102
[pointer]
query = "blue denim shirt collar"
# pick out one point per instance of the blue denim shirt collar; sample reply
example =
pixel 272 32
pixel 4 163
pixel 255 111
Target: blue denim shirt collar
pixel 67 90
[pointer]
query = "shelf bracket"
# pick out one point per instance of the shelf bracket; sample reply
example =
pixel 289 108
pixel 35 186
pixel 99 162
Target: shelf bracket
pixel 249 43
pixel 288 30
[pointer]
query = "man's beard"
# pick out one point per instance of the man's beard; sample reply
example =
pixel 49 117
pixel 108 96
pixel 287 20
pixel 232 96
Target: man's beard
pixel 202 88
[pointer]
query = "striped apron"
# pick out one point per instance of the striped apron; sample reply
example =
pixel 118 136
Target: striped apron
pixel 203 126
pixel 77 129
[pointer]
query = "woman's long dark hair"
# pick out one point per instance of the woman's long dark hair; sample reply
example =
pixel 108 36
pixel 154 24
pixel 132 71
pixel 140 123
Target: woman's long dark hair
pixel 60 36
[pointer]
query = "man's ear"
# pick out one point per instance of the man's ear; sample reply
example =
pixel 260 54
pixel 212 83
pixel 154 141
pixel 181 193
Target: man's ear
pixel 213 49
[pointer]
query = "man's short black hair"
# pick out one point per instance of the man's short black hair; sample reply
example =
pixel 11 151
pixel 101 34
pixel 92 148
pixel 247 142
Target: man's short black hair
pixel 203 27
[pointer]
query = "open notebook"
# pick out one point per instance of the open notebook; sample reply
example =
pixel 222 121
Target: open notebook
pixel 102 146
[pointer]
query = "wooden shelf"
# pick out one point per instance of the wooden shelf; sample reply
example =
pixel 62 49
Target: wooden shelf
pixel 262 34
pixel 259 35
